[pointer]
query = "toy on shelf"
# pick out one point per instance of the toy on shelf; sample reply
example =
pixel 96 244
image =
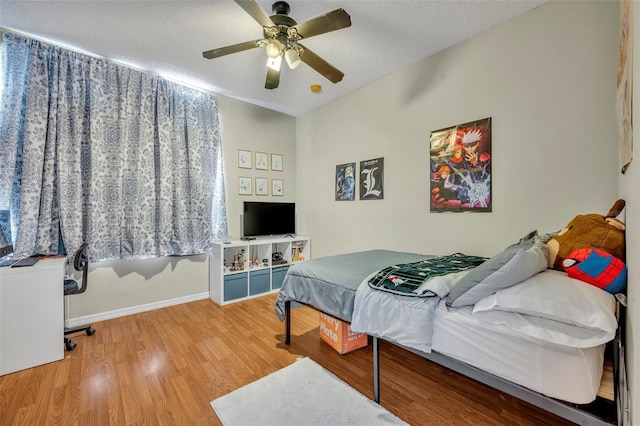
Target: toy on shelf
pixel 238 261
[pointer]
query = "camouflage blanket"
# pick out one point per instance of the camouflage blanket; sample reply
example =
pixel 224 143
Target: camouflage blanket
pixel 407 279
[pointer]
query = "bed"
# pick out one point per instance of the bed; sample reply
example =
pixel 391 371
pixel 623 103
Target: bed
pixel 329 284
pixel 478 344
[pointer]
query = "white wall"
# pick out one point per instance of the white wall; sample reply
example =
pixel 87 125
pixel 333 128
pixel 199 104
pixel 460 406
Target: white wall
pixel 251 128
pixel 117 288
pixel 629 191
pixel 120 287
pixel 546 78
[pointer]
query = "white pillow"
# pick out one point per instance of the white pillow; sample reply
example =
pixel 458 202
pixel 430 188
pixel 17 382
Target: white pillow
pixel 555 308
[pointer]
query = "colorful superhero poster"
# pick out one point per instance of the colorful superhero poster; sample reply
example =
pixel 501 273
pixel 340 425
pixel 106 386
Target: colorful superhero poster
pixel 460 175
pixel 346 182
pixel 371 179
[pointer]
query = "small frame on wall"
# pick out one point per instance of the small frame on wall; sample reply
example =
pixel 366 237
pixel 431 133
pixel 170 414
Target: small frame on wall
pixel 346 182
pixel 262 161
pixel 262 186
pixel 244 159
pixel 276 187
pixel 372 179
pixel 276 162
pixel 244 186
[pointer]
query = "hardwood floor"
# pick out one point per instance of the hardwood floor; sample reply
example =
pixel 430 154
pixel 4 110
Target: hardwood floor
pixel 165 366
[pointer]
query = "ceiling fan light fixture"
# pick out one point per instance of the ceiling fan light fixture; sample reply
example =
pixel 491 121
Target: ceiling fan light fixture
pixel 281 35
pixel 275 63
pixel 292 57
pixel 274 48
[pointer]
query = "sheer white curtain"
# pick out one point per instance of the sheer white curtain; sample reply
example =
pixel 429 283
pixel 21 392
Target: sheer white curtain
pixel 124 160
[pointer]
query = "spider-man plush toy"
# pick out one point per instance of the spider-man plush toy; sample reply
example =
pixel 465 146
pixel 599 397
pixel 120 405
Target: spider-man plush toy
pixel 598 268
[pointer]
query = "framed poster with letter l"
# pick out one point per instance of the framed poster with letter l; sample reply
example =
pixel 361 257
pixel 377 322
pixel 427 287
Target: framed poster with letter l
pixel 372 179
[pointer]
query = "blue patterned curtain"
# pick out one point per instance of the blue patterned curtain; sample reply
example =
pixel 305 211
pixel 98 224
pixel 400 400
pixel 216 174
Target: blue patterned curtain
pixel 127 161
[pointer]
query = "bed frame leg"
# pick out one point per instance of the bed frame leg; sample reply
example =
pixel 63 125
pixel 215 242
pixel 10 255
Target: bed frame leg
pixel 287 322
pixel 376 370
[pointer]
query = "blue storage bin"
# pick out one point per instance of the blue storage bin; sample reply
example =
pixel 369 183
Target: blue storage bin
pixel 235 286
pixel 277 276
pixel 258 282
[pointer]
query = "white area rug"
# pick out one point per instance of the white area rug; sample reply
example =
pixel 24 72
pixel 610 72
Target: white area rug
pixel 303 393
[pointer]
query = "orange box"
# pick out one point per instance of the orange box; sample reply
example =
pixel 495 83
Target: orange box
pixel 338 334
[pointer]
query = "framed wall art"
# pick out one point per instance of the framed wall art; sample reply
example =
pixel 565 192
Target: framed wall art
pixel 624 88
pixel 244 186
pixel 276 162
pixel 460 175
pixel 346 182
pixel 244 159
pixel 261 161
pixel 262 186
pixel 276 187
pixel 372 179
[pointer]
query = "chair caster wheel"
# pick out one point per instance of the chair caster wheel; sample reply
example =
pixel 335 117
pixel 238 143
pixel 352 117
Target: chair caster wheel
pixel 91 331
pixel 70 345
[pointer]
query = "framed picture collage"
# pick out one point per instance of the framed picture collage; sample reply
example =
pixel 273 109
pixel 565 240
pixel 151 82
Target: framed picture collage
pixel 260 185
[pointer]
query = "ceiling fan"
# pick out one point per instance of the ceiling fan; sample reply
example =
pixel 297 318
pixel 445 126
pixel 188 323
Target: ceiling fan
pixel 282 37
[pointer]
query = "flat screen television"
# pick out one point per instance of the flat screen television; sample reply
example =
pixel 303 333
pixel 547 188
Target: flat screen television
pixel 264 218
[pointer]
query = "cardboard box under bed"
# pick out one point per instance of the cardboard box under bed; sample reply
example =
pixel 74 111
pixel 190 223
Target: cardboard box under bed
pixel 338 334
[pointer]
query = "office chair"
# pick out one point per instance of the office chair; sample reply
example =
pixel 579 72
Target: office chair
pixel 80 263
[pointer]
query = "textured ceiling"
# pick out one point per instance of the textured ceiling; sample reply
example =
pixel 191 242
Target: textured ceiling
pixel 168 38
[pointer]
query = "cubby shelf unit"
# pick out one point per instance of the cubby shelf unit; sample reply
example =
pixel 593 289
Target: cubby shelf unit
pixel 239 270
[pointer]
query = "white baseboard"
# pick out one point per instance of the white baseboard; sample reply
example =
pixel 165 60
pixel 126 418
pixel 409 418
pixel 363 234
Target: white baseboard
pixel 103 316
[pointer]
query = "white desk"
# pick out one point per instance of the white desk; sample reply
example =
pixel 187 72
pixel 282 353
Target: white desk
pixel 31 315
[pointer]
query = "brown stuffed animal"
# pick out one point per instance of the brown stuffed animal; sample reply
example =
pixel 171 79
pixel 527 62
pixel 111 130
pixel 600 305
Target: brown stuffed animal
pixel 589 231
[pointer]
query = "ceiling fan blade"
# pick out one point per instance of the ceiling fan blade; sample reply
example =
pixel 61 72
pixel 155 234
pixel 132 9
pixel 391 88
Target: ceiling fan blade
pixel 256 12
pixel 331 21
pixel 222 51
pixel 323 67
pixel 273 78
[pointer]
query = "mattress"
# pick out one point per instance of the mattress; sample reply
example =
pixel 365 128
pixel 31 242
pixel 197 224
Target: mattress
pixel 426 325
pixel 566 373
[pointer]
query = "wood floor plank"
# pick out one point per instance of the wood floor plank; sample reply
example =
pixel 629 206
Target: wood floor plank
pixel 163 367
